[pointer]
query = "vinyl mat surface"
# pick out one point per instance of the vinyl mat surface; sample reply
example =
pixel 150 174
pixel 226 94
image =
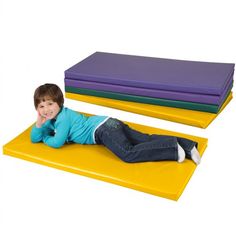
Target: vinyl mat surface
pixel 165 179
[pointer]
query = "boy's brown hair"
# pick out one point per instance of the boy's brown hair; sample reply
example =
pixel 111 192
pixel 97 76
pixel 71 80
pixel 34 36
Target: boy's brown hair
pixel 48 91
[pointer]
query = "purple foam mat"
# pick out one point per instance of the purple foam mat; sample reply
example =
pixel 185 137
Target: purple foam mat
pixel 190 97
pixel 153 73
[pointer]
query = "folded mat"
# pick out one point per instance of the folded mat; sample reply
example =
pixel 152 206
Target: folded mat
pixel 166 179
pixel 148 100
pixel 188 117
pixel 155 93
pixel 153 73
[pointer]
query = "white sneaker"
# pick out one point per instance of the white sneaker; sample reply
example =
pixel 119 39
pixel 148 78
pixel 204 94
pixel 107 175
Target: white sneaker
pixel 195 156
pixel 181 153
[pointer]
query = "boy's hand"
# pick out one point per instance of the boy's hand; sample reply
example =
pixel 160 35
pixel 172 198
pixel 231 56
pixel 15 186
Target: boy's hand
pixel 40 120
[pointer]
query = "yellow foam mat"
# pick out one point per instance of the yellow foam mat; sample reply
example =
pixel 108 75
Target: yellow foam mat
pixel 188 117
pixel 166 179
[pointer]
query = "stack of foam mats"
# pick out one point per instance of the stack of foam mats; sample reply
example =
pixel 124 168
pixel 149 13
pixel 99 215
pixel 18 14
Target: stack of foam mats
pixel 188 92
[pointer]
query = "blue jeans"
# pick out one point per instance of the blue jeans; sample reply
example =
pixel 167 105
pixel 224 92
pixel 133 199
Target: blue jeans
pixel 133 146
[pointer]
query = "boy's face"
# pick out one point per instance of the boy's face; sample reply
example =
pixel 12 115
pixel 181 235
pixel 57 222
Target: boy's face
pixel 48 109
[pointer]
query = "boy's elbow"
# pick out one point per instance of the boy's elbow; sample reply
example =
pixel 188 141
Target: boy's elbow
pixel 35 140
pixel 53 142
pixel 56 145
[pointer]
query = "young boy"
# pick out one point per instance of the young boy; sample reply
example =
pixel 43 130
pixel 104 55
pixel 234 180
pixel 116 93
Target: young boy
pixel 57 125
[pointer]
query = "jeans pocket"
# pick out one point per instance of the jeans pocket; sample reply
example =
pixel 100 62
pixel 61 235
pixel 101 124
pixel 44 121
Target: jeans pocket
pixel 113 124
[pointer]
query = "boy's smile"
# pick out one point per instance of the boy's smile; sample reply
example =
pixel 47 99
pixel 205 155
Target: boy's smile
pixel 48 109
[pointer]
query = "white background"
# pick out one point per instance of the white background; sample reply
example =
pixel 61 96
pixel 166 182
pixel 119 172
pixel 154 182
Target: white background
pixel 38 41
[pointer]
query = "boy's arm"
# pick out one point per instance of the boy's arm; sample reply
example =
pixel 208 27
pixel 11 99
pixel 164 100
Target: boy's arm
pixel 40 129
pixel 37 134
pixel 60 137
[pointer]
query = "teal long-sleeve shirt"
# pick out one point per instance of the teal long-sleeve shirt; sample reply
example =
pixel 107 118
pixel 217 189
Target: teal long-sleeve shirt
pixel 68 126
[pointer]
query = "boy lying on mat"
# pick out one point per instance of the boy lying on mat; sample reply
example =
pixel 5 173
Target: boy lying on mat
pixel 57 125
